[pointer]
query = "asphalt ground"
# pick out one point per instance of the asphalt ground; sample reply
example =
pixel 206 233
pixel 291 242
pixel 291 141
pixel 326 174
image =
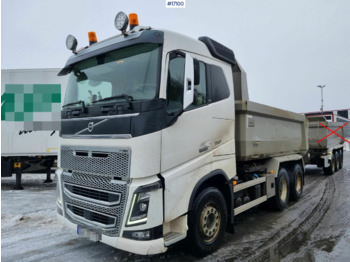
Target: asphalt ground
pixel 316 228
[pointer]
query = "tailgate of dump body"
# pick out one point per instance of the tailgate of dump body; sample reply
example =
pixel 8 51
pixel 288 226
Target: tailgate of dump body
pixel 318 132
pixel 263 131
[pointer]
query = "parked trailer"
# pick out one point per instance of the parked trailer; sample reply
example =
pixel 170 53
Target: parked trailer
pixel 160 142
pixel 326 148
pixel 22 150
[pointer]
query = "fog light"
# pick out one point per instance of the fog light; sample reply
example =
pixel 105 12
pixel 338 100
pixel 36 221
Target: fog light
pixel 141 235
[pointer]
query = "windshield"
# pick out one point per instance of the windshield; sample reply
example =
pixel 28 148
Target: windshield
pixel 129 72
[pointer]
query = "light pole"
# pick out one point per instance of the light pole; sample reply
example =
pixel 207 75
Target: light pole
pixel 321 86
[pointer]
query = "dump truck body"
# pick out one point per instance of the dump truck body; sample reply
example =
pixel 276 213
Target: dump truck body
pixel 263 132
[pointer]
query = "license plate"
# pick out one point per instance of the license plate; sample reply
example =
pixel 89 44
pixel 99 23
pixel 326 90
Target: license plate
pixel 89 233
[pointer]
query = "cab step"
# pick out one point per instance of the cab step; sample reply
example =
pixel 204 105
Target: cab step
pixel 173 237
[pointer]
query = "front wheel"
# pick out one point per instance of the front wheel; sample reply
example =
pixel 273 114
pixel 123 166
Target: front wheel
pixel 207 222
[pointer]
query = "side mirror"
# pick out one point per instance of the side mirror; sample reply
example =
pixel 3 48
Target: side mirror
pixel 189 82
pixel 196 71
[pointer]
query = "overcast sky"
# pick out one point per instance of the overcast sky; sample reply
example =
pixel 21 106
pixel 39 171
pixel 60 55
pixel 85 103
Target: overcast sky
pixel 286 47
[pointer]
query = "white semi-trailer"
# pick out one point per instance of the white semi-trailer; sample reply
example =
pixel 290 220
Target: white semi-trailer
pixel 161 143
pixel 27 150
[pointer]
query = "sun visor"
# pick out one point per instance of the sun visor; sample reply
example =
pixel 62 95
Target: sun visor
pixel 147 36
pixel 65 71
pixel 218 50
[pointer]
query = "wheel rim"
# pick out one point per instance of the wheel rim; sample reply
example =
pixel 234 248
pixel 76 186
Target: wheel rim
pixel 299 182
pixel 283 189
pixel 210 221
pixel 333 165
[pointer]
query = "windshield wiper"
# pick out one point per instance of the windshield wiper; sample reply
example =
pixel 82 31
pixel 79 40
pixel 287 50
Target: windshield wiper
pixel 126 97
pixel 77 111
pixel 75 103
pixel 116 107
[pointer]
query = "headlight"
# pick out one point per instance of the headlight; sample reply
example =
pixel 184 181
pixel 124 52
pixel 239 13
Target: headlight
pixel 139 209
pixel 140 204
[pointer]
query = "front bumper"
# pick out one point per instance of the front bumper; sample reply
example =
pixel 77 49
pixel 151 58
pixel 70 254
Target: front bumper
pixel 149 247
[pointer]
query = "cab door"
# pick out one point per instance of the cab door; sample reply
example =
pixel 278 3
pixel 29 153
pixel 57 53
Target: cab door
pixel 190 131
pixel 199 135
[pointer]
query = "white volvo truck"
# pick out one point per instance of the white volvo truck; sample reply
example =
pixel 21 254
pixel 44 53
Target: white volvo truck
pixel 160 142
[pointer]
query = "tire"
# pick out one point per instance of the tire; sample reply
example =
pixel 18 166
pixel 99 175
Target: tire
pixel 296 183
pixel 340 159
pixel 337 160
pixel 331 169
pixel 280 201
pixel 207 222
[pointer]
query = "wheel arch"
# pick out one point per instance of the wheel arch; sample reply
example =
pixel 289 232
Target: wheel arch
pixel 219 180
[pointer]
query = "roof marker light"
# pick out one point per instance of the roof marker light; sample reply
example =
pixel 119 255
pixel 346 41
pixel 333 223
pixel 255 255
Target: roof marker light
pixel 134 21
pixel 71 43
pixel 92 38
pixel 121 22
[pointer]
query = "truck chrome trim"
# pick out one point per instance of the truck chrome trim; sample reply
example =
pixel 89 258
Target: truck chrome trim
pixel 101 117
pixel 73 195
pixel 121 136
pixel 89 128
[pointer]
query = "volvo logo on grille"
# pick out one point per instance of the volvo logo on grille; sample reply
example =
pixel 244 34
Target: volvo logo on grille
pixel 90 126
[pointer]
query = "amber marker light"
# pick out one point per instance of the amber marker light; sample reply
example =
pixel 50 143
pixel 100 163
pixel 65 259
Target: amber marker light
pixel 92 38
pixel 234 182
pixel 133 20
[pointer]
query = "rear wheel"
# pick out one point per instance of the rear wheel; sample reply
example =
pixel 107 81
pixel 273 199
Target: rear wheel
pixel 331 169
pixel 337 160
pixel 296 183
pixel 280 201
pixel 207 222
pixel 340 159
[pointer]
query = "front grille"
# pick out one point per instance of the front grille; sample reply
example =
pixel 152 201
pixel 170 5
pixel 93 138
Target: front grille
pixel 94 195
pixel 76 210
pixel 92 216
pixel 97 161
pixel 103 196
